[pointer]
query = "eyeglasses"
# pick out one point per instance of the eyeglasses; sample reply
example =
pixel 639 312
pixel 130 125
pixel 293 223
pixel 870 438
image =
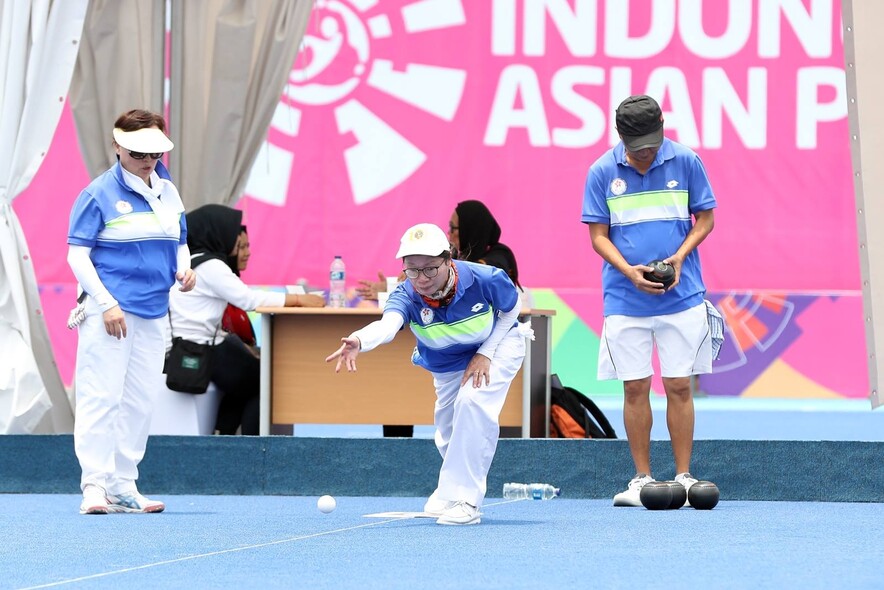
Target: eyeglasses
pixel 429 272
pixel 140 156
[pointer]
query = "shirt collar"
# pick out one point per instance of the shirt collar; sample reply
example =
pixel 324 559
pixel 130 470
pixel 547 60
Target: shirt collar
pixel 664 153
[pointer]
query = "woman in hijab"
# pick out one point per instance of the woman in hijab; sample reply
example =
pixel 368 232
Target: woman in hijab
pixel 475 235
pixel 214 239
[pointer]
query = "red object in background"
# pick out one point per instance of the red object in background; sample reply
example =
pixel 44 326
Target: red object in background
pixel 236 321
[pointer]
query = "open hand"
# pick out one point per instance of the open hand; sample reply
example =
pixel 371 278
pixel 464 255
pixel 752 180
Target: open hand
pixel 370 290
pixel 346 354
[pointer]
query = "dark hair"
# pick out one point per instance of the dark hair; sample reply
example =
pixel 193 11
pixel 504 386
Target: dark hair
pixel 479 235
pixel 477 229
pixel 140 119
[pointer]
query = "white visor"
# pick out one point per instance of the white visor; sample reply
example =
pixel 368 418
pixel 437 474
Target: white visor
pixel 147 141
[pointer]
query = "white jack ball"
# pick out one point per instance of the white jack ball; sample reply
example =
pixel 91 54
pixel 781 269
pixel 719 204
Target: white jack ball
pixel 326 504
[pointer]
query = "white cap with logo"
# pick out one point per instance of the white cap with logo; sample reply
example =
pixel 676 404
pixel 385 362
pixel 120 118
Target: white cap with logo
pixel 423 239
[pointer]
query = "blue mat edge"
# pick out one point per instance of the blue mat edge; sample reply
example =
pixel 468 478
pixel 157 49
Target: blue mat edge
pixel 841 471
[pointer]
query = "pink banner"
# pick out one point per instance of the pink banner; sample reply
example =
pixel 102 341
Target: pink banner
pixel 395 110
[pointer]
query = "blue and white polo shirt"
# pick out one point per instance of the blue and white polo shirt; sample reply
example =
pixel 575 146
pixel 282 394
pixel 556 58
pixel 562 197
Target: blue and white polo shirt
pixel 134 258
pixel 649 216
pixel 449 336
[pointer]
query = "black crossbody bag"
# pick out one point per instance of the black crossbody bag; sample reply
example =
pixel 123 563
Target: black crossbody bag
pixel 188 365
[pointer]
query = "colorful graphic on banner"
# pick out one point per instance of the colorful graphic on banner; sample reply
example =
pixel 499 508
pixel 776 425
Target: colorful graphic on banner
pixel 396 110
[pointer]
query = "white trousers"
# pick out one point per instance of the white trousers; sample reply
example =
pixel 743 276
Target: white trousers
pixel 467 423
pixel 115 382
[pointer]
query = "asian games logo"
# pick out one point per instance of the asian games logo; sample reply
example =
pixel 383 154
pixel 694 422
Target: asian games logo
pixel 350 68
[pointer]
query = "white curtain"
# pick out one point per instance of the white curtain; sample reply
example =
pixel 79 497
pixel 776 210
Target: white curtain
pixel 39 40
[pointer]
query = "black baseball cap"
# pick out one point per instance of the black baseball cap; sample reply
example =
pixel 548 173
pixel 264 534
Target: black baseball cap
pixel 639 121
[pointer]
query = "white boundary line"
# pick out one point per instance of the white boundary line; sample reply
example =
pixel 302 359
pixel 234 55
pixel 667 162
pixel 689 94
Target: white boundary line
pixel 233 550
pixel 210 554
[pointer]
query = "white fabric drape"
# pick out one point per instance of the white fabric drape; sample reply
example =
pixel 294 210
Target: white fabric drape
pixel 38 48
pixel 230 61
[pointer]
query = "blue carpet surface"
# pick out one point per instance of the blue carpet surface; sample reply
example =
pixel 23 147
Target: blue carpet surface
pixel 285 542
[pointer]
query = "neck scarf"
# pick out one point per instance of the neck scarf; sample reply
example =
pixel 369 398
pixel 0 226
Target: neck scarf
pixel 163 198
pixel 447 294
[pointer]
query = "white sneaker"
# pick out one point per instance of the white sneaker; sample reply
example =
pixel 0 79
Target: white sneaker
pixel 436 505
pixel 460 513
pixel 94 500
pixel 133 502
pixel 687 480
pixel 632 495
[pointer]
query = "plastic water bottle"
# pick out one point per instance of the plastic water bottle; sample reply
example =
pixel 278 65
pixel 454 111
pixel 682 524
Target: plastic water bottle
pixel 530 491
pixel 337 289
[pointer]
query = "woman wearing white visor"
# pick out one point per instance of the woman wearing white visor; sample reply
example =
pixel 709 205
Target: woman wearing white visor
pixel 464 316
pixel 127 247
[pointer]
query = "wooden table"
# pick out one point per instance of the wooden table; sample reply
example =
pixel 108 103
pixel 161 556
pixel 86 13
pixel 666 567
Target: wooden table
pixel 299 387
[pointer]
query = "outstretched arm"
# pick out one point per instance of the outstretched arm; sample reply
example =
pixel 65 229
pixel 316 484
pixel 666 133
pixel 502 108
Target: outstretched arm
pixel 369 337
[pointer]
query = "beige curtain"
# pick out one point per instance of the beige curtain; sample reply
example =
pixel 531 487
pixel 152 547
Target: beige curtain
pixel 119 67
pixel 230 62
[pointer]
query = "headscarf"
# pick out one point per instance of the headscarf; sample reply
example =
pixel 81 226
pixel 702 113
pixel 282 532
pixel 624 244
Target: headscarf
pixel 479 236
pixel 212 232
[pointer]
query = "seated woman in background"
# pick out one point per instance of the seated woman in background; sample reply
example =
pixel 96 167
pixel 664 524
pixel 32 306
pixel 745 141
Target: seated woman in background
pixel 214 239
pixel 236 320
pixel 475 236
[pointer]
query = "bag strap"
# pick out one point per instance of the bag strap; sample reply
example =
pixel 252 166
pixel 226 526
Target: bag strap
pixel 172 330
pixel 596 413
pixel 591 407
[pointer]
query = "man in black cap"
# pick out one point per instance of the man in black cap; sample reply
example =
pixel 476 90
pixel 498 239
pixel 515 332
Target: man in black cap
pixel 648 198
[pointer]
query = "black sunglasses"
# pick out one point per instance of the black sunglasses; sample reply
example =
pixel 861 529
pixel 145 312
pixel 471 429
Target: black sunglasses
pixel 141 156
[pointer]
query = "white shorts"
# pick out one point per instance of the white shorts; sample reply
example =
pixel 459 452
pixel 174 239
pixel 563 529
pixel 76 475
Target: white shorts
pixel 684 345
